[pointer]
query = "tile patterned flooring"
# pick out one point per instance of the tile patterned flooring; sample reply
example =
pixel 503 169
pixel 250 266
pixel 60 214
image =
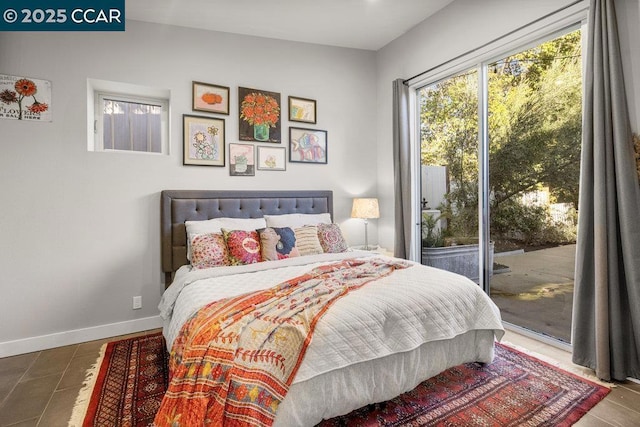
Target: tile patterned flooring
pixel 39 389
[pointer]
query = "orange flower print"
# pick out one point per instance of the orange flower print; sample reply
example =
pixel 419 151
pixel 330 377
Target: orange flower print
pixel 38 107
pixel 260 109
pixel 26 87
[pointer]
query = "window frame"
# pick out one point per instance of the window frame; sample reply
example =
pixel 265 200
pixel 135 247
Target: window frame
pixel 99 90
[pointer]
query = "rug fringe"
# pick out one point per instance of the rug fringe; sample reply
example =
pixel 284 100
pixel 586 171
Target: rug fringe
pixel 574 369
pixel 84 396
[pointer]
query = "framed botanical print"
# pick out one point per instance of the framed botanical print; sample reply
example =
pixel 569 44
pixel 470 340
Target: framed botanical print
pixel 203 140
pixel 302 110
pixel 210 98
pixel 242 160
pixel 259 115
pixel 307 145
pixel 272 158
pixel 25 98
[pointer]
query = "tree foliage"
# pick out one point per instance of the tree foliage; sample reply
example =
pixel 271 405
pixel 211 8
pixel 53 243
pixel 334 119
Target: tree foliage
pixel 534 130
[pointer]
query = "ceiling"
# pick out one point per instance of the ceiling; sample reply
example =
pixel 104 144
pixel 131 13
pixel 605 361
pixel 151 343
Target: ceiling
pixel 361 24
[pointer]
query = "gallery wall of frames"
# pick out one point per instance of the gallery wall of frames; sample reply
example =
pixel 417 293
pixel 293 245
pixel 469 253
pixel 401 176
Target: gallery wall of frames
pixel 261 142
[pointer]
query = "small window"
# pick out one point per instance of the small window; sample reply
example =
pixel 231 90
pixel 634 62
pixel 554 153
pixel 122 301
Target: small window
pixel 128 122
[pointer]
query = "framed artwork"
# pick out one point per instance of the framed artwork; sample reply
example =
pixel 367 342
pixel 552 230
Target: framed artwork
pixel 307 145
pixel 302 110
pixel 25 98
pixel 203 140
pixel 259 115
pixel 272 158
pixel 242 160
pixel 210 98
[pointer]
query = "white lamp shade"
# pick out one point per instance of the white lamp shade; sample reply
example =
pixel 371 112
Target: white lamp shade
pixel 365 208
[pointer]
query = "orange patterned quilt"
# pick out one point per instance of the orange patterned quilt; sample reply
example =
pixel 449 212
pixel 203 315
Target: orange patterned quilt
pixel 234 360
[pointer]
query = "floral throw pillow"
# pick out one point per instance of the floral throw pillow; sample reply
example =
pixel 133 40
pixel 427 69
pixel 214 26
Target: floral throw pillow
pixel 277 243
pixel 209 250
pixel 243 246
pixel 331 238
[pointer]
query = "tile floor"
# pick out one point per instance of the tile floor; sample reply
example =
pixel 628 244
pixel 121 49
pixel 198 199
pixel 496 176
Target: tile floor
pixel 39 389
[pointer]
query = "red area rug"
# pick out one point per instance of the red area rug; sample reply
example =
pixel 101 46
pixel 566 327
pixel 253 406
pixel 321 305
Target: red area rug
pixel 127 386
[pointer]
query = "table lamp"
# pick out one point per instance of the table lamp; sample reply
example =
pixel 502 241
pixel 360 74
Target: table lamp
pixel 365 208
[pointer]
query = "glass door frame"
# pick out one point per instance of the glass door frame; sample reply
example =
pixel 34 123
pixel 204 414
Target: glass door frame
pixel 564 21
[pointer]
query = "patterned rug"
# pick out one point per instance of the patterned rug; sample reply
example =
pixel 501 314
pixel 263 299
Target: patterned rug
pixel 128 383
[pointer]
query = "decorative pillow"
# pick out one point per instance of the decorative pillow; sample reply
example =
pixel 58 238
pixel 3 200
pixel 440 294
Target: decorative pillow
pixel 277 243
pixel 331 238
pixel 243 246
pixel 307 240
pixel 215 225
pixel 209 250
pixel 297 220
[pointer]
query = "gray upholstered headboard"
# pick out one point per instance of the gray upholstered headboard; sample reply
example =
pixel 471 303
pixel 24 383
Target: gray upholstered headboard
pixel 178 206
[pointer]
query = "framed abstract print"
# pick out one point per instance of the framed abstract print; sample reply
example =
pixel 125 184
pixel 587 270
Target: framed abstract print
pixel 302 110
pixel 307 145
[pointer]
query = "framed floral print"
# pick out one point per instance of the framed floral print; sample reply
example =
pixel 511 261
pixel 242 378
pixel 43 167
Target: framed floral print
pixel 272 158
pixel 259 115
pixel 25 98
pixel 210 98
pixel 203 140
pixel 307 145
pixel 242 160
pixel 302 110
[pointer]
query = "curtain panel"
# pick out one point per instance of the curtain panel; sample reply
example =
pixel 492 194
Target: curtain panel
pixel 606 312
pixel 401 169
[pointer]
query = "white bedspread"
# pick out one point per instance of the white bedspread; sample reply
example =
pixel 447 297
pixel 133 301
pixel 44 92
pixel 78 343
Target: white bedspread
pixel 397 313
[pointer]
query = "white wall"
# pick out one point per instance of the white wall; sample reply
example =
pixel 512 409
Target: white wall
pixel 80 230
pixel 463 26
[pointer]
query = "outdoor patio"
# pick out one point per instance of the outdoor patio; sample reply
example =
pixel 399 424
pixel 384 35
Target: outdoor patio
pixel 536 291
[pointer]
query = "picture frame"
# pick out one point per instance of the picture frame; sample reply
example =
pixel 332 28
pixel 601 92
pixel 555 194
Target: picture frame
pixel 242 160
pixel 203 140
pixel 260 115
pixel 25 98
pixel 307 145
pixel 272 158
pixel 210 98
pixel 302 110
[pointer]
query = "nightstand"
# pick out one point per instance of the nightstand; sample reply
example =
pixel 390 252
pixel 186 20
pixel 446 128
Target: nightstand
pixel 377 249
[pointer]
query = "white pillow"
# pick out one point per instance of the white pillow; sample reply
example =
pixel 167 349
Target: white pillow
pixel 216 225
pixel 297 220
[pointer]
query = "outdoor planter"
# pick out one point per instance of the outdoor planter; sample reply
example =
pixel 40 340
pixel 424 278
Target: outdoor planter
pixel 461 259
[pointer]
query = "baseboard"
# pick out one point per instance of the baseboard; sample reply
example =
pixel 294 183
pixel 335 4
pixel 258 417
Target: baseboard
pixel 76 336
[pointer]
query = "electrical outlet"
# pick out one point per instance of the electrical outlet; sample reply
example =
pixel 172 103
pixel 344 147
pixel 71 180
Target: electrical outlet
pixel 137 302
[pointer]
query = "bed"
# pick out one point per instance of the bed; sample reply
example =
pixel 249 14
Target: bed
pixel 364 349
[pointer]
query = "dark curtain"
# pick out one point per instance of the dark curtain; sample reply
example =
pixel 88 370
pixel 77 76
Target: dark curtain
pixel 401 169
pixel 606 312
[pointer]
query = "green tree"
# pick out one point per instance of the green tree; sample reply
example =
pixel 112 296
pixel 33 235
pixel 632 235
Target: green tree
pixel 534 129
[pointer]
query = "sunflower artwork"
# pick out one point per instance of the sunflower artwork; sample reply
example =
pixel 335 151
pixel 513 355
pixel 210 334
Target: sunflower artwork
pixel 203 141
pixel 23 98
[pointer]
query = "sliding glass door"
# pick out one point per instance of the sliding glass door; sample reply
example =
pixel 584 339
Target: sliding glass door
pixel 449 174
pixel 535 119
pixel 528 167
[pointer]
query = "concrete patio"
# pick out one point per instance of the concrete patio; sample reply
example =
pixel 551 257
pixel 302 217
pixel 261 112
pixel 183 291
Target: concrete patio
pixel 536 292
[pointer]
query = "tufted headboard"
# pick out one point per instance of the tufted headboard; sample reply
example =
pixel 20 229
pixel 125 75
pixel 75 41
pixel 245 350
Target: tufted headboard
pixel 178 206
